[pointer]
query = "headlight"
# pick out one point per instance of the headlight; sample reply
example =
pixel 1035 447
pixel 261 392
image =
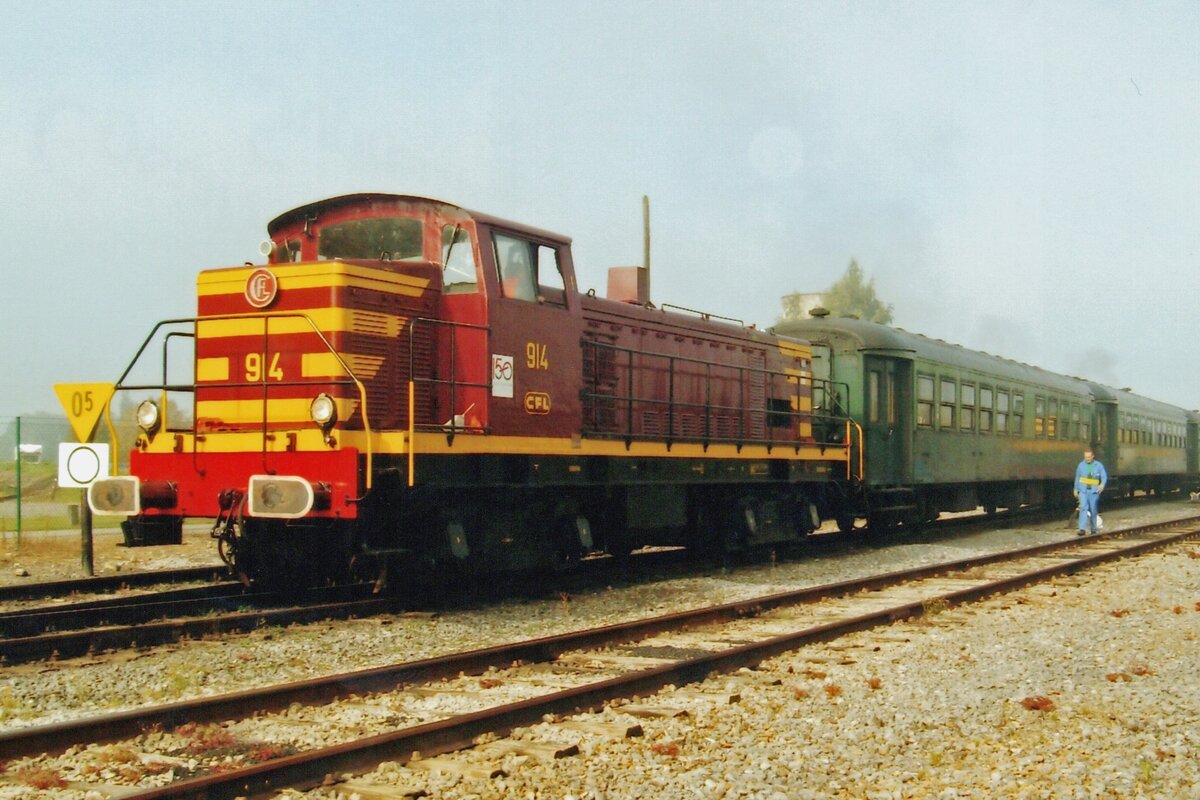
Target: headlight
pixel 120 496
pixel 323 410
pixel 279 496
pixel 147 416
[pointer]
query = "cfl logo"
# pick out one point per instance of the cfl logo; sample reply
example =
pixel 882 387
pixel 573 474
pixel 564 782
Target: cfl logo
pixel 261 288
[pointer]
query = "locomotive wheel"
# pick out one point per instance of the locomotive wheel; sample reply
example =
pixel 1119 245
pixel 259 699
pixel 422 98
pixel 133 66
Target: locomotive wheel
pixel 285 557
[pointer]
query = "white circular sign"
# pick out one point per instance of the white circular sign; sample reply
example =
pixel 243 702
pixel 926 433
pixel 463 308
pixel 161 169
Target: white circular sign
pixel 83 465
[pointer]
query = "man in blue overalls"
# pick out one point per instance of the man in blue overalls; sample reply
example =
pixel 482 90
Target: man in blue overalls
pixel 1090 479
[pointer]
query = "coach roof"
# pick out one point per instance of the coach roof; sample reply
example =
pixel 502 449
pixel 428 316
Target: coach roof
pixel 883 340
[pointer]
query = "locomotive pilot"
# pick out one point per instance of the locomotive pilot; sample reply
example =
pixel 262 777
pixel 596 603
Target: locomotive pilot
pixel 1090 480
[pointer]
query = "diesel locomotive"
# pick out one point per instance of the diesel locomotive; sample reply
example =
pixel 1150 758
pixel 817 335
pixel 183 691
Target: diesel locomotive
pixel 410 385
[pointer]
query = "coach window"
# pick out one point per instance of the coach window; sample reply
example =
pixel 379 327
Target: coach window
pixel 985 409
pixel 924 401
pixel 1074 421
pixel 967 420
pixel 458 261
pixel 1052 430
pixel 1001 411
pixel 873 395
pixel 889 397
pixel 1018 413
pixel 515 263
pixel 1085 427
pixel 1039 415
pixel 949 395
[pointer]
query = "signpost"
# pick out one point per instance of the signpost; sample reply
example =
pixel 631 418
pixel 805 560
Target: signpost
pixel 80 463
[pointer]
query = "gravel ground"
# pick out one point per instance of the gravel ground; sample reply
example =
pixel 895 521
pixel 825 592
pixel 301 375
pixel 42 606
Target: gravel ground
pixel 912 735
pixel 40 693
pixel 1082 688
pixel 55 555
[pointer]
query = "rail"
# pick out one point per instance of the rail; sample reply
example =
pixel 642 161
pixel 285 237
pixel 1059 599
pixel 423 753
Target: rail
pixel 766 422
pixel 165 386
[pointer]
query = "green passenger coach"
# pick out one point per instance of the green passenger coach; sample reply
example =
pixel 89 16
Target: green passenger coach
pixel 951 429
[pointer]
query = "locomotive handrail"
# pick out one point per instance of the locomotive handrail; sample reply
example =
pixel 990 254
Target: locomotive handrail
pixel 266 317
pixel 452 381
pixel 431 381
pixel 671 404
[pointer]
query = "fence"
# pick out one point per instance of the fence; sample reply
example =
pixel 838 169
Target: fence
pixel 32 505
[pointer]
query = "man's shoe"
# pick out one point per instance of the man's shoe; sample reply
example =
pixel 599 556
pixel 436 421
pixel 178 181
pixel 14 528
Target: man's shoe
pixel 1082 533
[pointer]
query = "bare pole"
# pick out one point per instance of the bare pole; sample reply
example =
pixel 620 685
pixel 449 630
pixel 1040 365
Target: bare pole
pixel 86 556
pixel 646 239
pixel 18 477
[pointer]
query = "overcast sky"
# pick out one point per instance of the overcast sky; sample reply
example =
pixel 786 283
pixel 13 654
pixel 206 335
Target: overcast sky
pixel 1020 178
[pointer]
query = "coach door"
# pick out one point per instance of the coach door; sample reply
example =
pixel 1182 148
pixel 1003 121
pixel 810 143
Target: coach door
pixel 887 423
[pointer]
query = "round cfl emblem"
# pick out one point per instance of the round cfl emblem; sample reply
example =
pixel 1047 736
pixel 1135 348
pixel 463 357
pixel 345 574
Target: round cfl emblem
pixel 261 288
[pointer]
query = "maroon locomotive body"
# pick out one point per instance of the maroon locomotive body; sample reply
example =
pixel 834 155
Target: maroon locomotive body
pixel 406 382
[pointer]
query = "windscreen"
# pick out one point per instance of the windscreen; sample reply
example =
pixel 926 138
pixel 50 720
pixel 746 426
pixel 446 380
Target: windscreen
pixel 394 238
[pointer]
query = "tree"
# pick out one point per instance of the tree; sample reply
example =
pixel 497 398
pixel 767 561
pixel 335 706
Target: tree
pixel 851 296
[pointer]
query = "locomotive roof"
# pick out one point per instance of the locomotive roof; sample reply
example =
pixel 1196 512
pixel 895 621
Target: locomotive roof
pixel 368 199
pixel 882 339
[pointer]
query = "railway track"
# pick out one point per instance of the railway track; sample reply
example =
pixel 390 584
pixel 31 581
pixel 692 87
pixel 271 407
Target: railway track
pixel 167 617
pixel 583 670
pixel 104 584
pixel 86 628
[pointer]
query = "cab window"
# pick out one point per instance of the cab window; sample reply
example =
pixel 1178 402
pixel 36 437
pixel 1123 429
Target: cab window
pixel 389 238
pixel 458 261
pixel 529 271
pixel 549 277
pixel 515 263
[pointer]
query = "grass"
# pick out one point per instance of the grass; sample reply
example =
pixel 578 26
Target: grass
pixel 42 523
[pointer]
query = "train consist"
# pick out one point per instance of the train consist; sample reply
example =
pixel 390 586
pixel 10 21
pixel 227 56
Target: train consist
pixel 409 385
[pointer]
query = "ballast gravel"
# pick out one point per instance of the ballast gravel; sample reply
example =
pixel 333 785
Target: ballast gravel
pixel 41 693
pixel 918 710
pixel 1085 687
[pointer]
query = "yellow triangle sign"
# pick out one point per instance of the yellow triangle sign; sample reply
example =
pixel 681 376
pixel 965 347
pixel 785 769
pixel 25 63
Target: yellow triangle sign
pixel 83 404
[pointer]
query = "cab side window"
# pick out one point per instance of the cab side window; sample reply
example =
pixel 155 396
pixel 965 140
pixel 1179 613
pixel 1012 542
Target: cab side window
pixel 458 261
pixel 549 277
pixel 515 263
pixel 529 271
